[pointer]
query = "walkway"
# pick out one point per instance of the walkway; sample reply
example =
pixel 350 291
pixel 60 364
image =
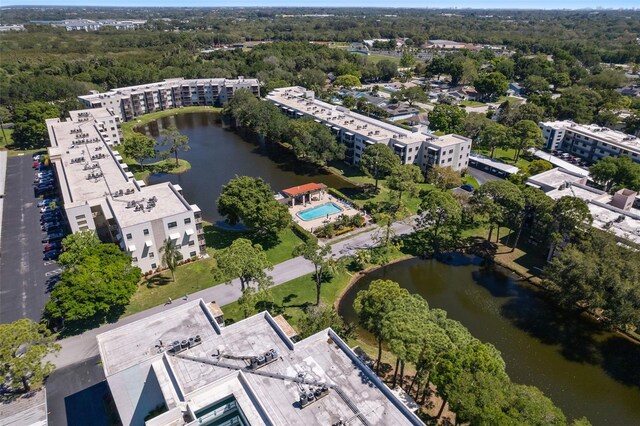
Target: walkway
pixel 79 348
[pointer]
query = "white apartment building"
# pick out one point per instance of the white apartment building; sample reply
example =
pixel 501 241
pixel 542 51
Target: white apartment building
pixel 357 131
pixel 589 141
pixel 247 373
pixel 132 101
pixel 613 213
pixel 100 193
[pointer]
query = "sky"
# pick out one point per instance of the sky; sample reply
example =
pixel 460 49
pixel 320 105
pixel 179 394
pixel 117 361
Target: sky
pixel 477 4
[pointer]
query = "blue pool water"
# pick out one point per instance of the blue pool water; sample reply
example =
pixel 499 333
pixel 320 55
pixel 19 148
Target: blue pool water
pixel 319 211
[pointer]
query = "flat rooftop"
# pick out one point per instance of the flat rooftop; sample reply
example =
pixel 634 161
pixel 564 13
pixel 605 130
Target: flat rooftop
pixel 555 177
pixel 170 83
pixel 599 133
pixel 87 167
pixel 295 99
pixel 448 140
pixel 493 163
pixel 268 395
pixel 157 201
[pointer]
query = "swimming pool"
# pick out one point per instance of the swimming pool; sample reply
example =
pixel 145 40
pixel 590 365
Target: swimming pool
pixel 319 211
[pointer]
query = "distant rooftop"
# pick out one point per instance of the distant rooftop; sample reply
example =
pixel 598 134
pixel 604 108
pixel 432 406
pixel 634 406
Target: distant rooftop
pixel 142 372
pixel 604 134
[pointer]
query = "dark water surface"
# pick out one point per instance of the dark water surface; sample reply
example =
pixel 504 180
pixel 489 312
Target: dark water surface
pixel 585 370
pixel 219 153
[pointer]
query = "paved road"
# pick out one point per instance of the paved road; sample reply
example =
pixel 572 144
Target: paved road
pixel 77 349
pixel 23 292
pixel 481 176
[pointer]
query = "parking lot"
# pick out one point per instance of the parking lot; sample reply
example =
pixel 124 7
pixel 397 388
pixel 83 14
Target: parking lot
pixel 23 272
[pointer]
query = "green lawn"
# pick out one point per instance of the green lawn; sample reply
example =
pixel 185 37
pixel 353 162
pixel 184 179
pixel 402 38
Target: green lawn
pixel 375 58
pixel 147 118
pixel 471 181
pixel 505 155
pixel 472 103
pixel 6 133
pixel 196 276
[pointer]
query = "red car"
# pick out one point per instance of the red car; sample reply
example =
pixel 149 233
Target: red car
pixel 52 246
pixel 36 164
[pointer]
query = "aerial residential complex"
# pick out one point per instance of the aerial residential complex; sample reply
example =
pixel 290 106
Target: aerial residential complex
pixel 132 101
pixel 357 131
pixel 100 193
pixel 589 141
pixel 187 369
pixel 614 213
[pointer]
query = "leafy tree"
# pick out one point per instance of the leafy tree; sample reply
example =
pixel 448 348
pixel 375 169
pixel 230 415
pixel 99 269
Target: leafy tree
pixel 474 123
pixel 175 140
pixel 319 318
pixel 246 261
pixel 75 245
pixel 139 147
pixel 387 69
pixel 247 301
pixel 439 221
pixel 494 135
pixel 447 118
pixel 405 179
pixel 403 331
pixel 408 59
pixel 99 285
pixel 30 129
pixel 373 304
pixel 537 212
pixel 526 134
pixel 310 77
pixel 502 203
pixel 23 346
pixel 597 274
pixel 607 79
pixel 412 95
pixel 349 102
pixel 506 66
pixel 347 81
pixel 535 84
pixel 616 172
pixel 171 256
pixel 250 201
pixel 570 214
pixel 325 266
pixel 632 123
pixel 530 406
pixel 378 161
pixel 444 177
pixel 314 142
pixel 492 85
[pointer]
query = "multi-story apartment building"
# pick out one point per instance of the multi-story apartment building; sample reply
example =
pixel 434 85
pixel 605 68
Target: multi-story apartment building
pixel 589 141
pixel 132 101
pixel 357 131
pixel 251 372
pixel 100 193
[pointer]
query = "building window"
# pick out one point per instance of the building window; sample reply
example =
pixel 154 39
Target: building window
pixel 172 225
pixel 82 222
pixel 192 254
pixel 145 232
pixel 84 228
pixel 187 220
pixel 154 266
pixel 178 246
pixel 450 151
pixel 80 217
pixel 134 259
pixel 152 254
pixel 192 243
pixel 449 160
pixel 129 236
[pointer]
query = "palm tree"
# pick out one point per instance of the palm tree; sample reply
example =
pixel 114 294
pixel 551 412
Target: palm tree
pixel 170 256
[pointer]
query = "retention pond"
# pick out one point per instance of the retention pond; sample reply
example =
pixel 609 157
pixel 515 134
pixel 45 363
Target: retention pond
pixel 584 369
pixel 218 153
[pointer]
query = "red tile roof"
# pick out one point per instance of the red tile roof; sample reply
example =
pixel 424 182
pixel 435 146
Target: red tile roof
pixel 303 189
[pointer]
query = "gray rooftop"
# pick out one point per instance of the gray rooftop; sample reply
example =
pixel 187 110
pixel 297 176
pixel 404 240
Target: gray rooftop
pixel 198 377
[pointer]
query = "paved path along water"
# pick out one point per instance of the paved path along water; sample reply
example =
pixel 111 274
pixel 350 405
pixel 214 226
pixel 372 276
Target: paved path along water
pixel 79 348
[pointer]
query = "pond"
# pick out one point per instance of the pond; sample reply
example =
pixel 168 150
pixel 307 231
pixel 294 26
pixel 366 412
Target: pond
pixel 218 153
pixel 585 370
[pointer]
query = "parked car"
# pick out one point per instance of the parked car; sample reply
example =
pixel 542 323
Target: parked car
pixel 52 246
pixel 44 182
pixel 51 255
pixel 467 187
pixel 48 208
pixel 46 202
pixel 38 154
pixel 36 164
pixel 45 190
pixel 41 167
pixel 50 226
pixel 48 217
pixel 53 237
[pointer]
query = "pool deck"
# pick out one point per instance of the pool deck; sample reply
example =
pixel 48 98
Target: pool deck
pixel 311 225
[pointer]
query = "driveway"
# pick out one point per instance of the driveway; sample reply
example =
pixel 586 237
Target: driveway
pixel 23 292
